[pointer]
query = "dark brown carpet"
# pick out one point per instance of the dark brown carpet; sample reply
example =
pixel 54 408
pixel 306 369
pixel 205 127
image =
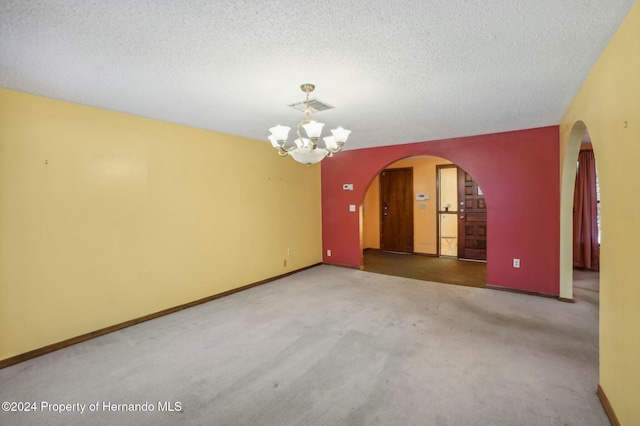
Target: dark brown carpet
pixel 426 268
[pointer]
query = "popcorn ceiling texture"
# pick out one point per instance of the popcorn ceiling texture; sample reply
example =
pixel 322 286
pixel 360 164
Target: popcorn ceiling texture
pixel 396 71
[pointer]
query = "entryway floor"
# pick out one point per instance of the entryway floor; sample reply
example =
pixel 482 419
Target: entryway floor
pixel 427 268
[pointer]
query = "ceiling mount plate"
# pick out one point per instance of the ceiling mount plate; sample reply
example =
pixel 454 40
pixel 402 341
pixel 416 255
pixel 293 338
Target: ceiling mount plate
pixel 316 105
pixel 307 88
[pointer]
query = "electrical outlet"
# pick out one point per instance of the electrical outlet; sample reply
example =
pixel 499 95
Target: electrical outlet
pixel 516 263
pixel 328 252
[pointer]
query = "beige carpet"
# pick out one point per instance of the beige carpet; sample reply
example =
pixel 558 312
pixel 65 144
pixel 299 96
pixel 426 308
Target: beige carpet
pixel 332 346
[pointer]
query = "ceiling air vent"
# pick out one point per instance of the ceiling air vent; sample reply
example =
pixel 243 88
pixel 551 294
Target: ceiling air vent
pixel 315 104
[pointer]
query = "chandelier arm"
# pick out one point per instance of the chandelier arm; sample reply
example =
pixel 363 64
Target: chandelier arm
pixel 334 150
pixel 298 129
pixel 285 149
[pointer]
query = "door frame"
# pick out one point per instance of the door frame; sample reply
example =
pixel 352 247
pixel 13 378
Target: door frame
pixel 439 209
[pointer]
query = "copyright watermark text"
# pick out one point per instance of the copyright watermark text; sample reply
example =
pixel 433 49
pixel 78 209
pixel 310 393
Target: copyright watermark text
pixel 98 406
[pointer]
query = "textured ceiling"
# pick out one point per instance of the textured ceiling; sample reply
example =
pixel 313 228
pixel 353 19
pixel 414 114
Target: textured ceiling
pixel 397 71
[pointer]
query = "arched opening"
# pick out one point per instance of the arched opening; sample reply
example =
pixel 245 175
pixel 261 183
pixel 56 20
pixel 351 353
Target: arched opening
pixel 430 240
pixel 579 216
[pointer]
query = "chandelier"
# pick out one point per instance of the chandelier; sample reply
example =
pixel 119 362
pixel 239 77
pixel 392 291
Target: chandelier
pixel 306 150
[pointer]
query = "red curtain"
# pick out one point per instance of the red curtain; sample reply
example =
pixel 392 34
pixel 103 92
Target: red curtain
pixel 586 250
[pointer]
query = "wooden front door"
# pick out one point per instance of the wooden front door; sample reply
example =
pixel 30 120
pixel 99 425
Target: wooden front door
pixel 396 210
pixel 472 229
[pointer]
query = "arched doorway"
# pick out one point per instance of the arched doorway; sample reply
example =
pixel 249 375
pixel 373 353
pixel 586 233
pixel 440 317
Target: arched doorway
pixel 578 139
pixel 432 253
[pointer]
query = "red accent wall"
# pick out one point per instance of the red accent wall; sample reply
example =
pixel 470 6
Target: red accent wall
pixel 519 175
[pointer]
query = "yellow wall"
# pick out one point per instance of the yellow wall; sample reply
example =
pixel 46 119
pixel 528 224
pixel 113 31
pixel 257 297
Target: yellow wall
pixel 371 218
pixel 106 217
pixel 609 105
pixel 424 220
